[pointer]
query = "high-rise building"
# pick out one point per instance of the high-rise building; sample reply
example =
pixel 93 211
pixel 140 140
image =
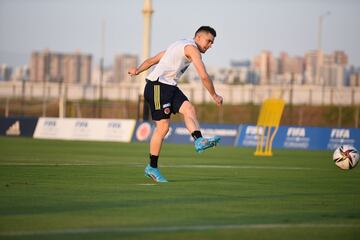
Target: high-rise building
pixel 287 64
pixel 298 65
pixel 266 65
pixel 122 63
pixel 72 69
pixel 240 63
pixel 332 71
pixel 40 66
pixel 340 57
pixel 354 79
pixel 107 75
pixel 333 75
pixel 85 74
pixel 21 73
pixel 284 65
pixel 5 72
pixel 290 69
pixel 56 67
pixel 311 67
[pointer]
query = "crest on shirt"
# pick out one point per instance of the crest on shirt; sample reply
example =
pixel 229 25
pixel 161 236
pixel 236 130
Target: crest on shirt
pixel 167 111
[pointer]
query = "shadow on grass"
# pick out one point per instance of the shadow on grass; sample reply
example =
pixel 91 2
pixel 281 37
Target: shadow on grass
pixel 196 180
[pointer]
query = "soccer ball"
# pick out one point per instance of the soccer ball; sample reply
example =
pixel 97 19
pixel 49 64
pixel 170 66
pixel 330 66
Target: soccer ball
pixel 346 157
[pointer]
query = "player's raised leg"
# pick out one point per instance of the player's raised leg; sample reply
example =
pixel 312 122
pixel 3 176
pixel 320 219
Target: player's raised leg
pixel 190 119
pixel 192 124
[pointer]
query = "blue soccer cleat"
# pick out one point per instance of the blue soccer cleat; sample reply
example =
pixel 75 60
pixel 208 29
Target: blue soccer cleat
pixel 154 174
pixel 204 143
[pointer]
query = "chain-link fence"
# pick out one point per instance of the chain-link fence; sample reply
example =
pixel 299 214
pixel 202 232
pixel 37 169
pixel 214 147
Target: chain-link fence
pixel 305 105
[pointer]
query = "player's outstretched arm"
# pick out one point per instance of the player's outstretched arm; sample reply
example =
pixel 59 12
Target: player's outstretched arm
pixel 146 64
pixel 194 54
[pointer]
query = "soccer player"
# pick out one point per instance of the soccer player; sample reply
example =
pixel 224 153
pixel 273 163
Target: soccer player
pixel 165 98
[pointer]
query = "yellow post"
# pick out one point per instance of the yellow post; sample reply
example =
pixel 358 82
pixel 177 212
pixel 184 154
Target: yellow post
pixel 267 125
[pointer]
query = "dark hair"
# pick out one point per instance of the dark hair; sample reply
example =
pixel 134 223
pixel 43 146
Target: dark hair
pixel 206 29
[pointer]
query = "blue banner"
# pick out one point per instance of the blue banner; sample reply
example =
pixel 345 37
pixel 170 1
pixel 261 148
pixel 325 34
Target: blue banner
pixel 295 137
pixel 18 126
pixel 178 133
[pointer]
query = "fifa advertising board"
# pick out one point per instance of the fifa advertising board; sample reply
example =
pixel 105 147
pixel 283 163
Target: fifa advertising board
pixel 297 137
pixel 117 130
pixel 178 133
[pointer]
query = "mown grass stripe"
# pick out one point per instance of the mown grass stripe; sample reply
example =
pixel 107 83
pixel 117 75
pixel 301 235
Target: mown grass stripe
pixel 176 229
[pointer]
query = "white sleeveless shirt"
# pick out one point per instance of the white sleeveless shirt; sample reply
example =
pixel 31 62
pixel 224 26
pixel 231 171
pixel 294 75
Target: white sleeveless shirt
pixel 172 64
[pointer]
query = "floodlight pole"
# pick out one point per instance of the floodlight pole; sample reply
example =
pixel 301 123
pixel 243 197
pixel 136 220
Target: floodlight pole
pixel 147 13
pixel 101 74
pixel 44 93
pixel 23 88
pixel 320 55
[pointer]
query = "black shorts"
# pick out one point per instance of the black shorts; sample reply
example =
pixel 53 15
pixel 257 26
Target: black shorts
pixel 163 99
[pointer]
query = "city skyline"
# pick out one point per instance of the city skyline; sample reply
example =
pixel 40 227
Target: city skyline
pixel 244 28
pixel 264 69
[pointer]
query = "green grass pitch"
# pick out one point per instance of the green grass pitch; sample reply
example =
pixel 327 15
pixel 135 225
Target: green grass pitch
pixel 97 190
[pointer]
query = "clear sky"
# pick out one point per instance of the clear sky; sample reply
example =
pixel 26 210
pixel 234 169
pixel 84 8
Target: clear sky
pixel 244 27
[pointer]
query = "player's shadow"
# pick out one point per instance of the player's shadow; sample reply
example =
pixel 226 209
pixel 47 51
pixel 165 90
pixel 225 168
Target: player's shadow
pixel 196 180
